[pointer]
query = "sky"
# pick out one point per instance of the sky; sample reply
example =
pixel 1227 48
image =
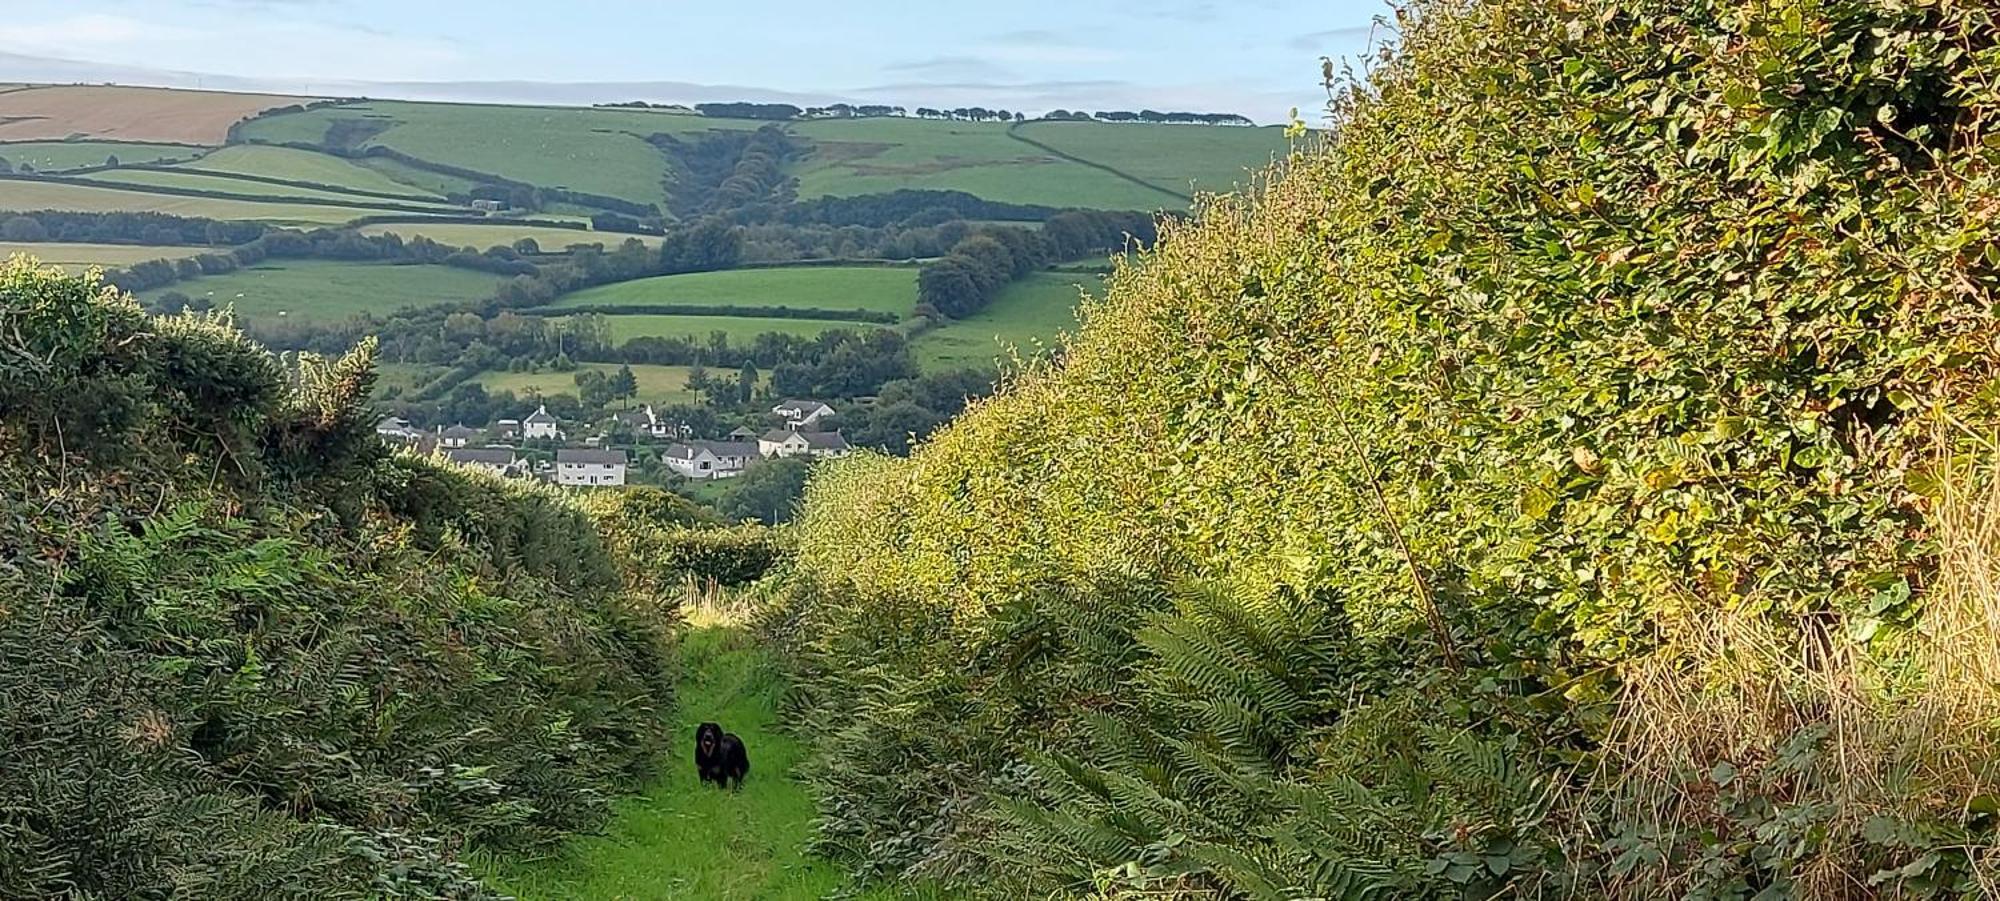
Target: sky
pixel 1259 58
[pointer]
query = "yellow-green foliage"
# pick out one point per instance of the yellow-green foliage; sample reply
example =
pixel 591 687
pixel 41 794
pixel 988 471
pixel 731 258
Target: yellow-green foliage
pixel 1591 313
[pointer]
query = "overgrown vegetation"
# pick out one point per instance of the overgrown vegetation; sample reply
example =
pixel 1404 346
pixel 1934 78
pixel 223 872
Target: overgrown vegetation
pixel 250 654
pixel 1545 489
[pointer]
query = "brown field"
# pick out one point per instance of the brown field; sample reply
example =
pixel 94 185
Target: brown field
pixel 127 114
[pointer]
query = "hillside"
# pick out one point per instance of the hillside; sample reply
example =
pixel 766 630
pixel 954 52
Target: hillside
pixel 1574 481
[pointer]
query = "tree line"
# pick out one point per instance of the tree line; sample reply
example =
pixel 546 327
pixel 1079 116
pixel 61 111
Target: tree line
pixel 979 267
pixel 1153 116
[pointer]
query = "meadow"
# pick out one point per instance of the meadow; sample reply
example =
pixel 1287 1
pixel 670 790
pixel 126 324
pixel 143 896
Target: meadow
pixel 1180 158
pixel 61 112
pixel 55 156
pixel 16 194
pixel 226 183
pixel 597 151
pixel 1026 316
pixel 305 165
pixel 741 329
pixel 875 288
pixel 869 156
pixel 465 234
pixel 326 291
pixel 659 385
pixel 76 257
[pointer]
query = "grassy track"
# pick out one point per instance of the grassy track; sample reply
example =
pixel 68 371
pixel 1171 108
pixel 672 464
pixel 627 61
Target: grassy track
pixel 301 165
pixel 1029 312
pixel 875 288
pixel 684 839
pixel 868 156
pixel 225 183
pixel 55 156
pixel 328 291
pixel 1178 158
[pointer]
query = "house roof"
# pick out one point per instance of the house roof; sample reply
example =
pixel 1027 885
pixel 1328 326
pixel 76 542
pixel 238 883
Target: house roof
pixel 691 450
pixel 635 417
pixel 743 431
pixel 540 415
pixel 493 456
pixel 460 431
pixel 824 440
pixel 503 423
pixel 778 436
pixel 800 407
pixel 585 455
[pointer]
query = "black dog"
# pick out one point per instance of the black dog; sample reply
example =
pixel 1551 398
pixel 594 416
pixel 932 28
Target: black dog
pixel 719 755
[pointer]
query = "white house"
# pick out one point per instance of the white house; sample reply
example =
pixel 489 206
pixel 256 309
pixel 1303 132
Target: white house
pixel 579 466
pixel 499 461
pixel 794 443
pixel 802 414
pixel 644 421
pixel 711 459
pixel 456 436
pixel 540 424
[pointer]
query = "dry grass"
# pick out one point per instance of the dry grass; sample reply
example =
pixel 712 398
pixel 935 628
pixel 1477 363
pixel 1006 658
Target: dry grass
pixel 1906 724
pixel 127 114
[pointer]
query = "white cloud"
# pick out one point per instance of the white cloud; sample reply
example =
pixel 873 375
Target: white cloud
pixel 257 47
pixel 85 33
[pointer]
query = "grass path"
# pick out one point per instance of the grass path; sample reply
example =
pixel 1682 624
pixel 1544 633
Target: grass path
pixel 686 840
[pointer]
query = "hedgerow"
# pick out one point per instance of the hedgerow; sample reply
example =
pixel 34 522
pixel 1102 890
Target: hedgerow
pixel 1315 566
pixel 245 652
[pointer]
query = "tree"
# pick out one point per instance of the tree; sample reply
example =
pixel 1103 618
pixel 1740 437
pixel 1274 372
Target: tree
pixel 768 491
pixel 593 387
pixel 111 161
pixel 746 382
pixel 625 384
pixel 24 229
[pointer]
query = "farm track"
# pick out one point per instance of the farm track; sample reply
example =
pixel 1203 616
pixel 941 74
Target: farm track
pixel 1013 131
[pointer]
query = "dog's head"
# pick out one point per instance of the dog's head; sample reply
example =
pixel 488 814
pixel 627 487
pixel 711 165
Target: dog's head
pixel 707 737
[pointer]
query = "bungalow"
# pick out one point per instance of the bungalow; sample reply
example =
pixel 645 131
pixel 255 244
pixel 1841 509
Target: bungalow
pixel 580 466
pixel 456 436
pixel 744 433
pixel 396 428
pixel 499 461
pixel 802 414
pixel 644 422
pixel 540 425
pixel 794 443
pixel 711 459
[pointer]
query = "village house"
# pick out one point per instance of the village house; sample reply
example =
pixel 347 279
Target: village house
pixel 645 423
pixel 711 459
pixel 540 425
pixel 507 430
pixel 396 428
pixel 499 461
pixel 802 414
pixel 794 443
pixel 744 433
pixel 582 466
pixel 457 436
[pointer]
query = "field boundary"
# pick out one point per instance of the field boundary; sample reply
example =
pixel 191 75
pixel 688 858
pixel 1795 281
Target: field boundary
pixel 1013 131
pixel 216 195
pixel 261 179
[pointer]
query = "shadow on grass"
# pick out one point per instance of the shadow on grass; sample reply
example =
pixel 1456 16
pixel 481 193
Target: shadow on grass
pixel 685 839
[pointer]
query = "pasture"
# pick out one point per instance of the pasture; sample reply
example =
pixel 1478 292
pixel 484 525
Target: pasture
pixel 226 184
pixel 1180 158
pixel 742 330
pixel 305 165
pixel 465 234
pixel 324 291
pixel 56 156
pixel 61 112
pixel 83 197
pixel 1027 316
pixel 597 151
pixel 874 288
pixel 868 156
pixel 78 257
pixel 658 385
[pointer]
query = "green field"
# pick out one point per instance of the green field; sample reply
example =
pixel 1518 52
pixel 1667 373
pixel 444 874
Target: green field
pixel 305 165
pixel 462 234
pixel 323 291
pixel 873 288
pixel 1032 310
pixel 78 257
pixel 869 156
pixel 1176 157
pixel 55 156
pixel 598 151
pixel 741 329
pixel 223 183
pixel 403 375
pixel 78 196
pixel 657 384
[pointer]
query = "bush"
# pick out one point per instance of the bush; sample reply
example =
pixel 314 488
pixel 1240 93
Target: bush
pixel 1310 569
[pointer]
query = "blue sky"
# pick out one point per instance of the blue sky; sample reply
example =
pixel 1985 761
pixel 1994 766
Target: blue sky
pixel 1257 57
